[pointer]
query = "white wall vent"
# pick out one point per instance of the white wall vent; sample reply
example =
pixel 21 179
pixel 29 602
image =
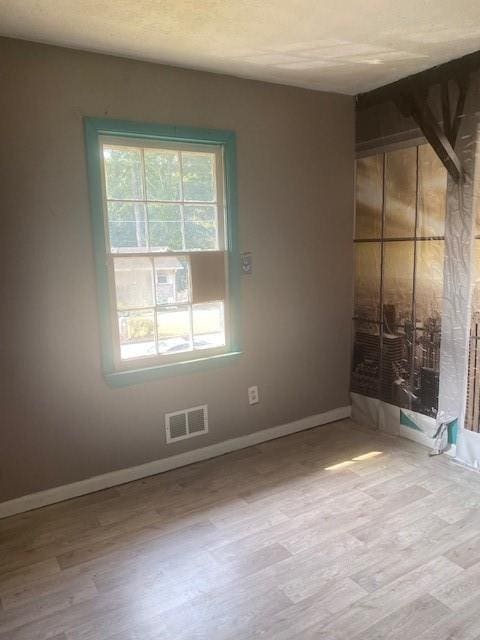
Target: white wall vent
pixel 186 424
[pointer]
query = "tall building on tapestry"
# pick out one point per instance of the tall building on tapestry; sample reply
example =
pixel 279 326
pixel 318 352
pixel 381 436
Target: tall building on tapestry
pixel 366 362
pixel 390 374
pixel 399 243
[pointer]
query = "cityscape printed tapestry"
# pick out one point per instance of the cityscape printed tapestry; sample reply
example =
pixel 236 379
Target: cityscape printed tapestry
pixel 399 246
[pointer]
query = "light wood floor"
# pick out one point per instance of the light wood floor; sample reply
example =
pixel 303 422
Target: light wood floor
pixel 334 533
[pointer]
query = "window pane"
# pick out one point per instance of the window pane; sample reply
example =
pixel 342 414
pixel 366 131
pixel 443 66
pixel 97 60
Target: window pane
pixel 397 285
pixel 208 325
pixel 173 326
pixel 397 337
pixel 367 280
pixel 165 227
pixel 123 173
pixel 428 303
pixel 126 226
pixel 133 282
pixel 426 368
pixel 365 377
pixel 400 193
pixel 162 169
pixel 395 367
pixel 172 281
pixel 429 280
pixel 369 181
pixel 199 176
pixel 366 351
pixel 432 193
pixel 137 334
pixel 200 227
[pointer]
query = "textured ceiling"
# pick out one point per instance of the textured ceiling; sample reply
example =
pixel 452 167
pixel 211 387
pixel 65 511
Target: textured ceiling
pixel 333 45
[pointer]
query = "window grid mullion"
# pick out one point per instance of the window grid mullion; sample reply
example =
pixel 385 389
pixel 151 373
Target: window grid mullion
pixel 160 254
pixel 155 321
pixel 190 318
pixel 153 201
pixel 182 200
pixel 168 306
pixel 190 301
pixel 147 216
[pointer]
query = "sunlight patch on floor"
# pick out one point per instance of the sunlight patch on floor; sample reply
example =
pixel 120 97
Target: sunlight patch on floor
pixel 352 461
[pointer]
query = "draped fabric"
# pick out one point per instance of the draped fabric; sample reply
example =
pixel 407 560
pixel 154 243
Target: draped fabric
pixel 459 370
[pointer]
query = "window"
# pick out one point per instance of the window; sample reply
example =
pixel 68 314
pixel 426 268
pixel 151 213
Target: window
pixel 163 204
pixel 399 248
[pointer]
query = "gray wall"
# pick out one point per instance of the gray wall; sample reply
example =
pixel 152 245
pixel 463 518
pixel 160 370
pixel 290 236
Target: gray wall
pixel 60 422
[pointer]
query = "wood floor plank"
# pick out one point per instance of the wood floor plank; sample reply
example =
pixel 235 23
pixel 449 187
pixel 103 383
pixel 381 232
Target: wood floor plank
pixel 387 600
pixel 462 624
pixel 436 543
pixel 467 553
pixel 458 591
pixel 408 621
pixel 25 575
pixel 58 583
pixel 45 604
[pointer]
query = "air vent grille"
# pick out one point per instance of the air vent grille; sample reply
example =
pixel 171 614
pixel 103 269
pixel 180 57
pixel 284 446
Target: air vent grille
pixel 178 425
pixel 196 420
pixel 186 424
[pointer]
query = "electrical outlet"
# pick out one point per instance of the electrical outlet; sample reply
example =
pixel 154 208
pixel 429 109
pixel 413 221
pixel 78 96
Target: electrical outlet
pixel 253 395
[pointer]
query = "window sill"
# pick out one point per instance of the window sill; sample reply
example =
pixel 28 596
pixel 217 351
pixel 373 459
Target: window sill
pixel 137 376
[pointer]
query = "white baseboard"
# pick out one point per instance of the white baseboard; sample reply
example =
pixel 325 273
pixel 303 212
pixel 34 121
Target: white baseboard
pixel 97 483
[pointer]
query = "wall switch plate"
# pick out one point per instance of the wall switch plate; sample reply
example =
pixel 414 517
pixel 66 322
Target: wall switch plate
pixel 253 395
pixel 246 263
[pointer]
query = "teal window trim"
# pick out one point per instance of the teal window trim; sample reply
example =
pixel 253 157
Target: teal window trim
pixel 96 127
